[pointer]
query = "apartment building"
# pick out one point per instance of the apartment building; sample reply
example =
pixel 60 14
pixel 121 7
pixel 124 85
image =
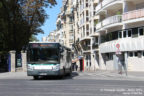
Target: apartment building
pixel 50 37
pixel 110 33
pixel 65 23
pixel 121 34
pixel 86 38
pixel 64 26
pixel 106 34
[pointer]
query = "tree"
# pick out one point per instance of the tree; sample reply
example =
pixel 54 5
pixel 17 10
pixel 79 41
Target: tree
pixel 20 20
pixel 33 38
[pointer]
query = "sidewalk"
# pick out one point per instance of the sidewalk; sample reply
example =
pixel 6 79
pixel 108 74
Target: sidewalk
pixel 106 73
pixel 136 74
pixel 13 75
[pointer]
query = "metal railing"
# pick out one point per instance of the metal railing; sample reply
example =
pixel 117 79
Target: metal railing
pixel 104 3
pixel 112 20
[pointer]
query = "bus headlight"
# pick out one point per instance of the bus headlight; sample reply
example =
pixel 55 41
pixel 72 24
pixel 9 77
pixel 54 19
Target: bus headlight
pixel 56 68
pixel 30 68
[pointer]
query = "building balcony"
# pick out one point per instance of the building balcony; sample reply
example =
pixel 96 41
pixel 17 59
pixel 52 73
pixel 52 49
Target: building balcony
pixel 95 1
pixel 94 33
pixel 109 22
pixel 71 40
pixel 82 37
pixel 133 16
pixel 112 20
pixel 99 25
pixel 126 44
pixel 107 4
pixel 85 38
pixel 86 48
pixel 98 7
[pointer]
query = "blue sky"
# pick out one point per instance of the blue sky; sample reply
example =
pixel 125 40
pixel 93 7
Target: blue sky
pixel 50 23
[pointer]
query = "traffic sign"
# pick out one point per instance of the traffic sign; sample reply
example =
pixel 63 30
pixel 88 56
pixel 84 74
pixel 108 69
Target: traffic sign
pixel 118 45
pixel 118 50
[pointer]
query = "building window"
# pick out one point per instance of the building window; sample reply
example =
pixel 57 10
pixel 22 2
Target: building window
pixel 86 57
pixel 114 35
pixel 141 31
pixel 139 54
pixel 124 33
pixel 86 4
pixel 129 33
pixel 135 54
pixel 90 63
pixel 132 32
pixel 135 32
pixel 103 38
pixel 142 53
pixel 120 34
pixel 130 54
pixel 109 56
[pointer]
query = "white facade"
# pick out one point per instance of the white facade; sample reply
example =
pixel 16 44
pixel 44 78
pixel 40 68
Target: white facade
pixel 50 38
pixel 108 34
pixel 121 24
pixel 104 24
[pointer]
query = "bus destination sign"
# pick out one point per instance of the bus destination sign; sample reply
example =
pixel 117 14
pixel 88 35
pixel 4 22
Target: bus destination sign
pixel 44 45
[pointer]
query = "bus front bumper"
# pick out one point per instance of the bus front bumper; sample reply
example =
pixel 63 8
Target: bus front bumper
pixel 43 73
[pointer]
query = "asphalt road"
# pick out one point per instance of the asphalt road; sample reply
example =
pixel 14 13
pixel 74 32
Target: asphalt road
pixel 77 85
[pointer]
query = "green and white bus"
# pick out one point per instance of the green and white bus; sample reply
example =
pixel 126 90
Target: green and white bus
pixel 48 59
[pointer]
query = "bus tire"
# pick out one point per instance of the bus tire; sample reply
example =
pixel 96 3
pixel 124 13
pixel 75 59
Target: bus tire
pixel 64 73
pixel 35 77
pixel 70 71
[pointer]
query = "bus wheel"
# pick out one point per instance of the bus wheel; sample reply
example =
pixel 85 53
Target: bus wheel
pixel 70 71
pixel 35 77
pixel 64 73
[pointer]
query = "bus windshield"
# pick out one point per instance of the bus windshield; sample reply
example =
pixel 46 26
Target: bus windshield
pixel 43 56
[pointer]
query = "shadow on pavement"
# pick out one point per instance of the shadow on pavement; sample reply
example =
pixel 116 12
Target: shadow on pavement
pixel 74 74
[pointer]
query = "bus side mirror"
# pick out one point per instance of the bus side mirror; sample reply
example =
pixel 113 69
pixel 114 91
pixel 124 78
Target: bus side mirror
pixel 61 50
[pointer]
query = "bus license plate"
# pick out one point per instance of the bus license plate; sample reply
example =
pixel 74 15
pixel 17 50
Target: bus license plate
pixel 43 73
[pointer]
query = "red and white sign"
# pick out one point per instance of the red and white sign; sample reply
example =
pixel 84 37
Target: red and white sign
pixel 118 50
pixel 118 45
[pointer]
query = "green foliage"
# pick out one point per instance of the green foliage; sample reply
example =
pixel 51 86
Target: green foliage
pixel 33 38
pixel 19 20
pixel 0 5
pixel 118 13
pixel 95 22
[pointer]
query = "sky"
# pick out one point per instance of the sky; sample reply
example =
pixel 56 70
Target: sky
pixel 50 23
